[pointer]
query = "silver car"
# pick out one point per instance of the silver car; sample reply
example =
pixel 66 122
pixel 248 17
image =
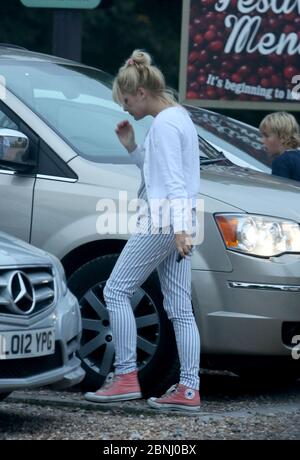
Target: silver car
pixel 40 324
pixel 62 166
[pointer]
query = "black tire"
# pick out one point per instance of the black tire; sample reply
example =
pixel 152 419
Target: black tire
pixel 156 348
pixel 4 395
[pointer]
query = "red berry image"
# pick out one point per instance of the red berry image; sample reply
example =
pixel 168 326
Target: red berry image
pixel 290 71
pixel 265 55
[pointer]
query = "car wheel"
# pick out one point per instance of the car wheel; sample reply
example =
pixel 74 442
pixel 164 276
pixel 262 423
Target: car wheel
pixel 3 396
pixel 157 357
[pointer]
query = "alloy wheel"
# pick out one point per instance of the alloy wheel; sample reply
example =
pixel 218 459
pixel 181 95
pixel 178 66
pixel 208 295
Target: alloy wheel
pixel 97 348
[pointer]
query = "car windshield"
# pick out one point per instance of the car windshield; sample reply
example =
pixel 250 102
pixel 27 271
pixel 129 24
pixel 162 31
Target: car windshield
pixel 76 102
pixel 238 139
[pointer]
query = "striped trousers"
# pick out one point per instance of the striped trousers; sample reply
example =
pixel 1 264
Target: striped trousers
pixel 143 253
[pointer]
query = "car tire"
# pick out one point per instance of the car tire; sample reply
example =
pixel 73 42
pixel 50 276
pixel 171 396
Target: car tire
pixel 157 356
pixel 4 395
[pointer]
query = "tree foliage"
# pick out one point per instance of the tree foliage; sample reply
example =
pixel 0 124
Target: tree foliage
pixel 109 34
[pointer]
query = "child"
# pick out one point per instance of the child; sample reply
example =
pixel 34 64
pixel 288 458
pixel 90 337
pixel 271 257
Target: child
pixel 281 138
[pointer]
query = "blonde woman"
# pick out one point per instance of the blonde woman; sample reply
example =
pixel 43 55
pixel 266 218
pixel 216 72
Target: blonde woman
pixel 281 138
pixel 170 170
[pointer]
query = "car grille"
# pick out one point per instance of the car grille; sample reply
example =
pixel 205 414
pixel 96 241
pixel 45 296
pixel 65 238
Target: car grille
pixel 37 281
pixel 27 367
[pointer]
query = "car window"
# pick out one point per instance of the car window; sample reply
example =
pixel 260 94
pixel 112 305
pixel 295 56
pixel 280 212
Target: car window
pixel 6 122
pixel 77 103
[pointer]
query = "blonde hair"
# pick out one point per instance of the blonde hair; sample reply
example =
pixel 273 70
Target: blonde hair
pixel 285 126
pixel 138 71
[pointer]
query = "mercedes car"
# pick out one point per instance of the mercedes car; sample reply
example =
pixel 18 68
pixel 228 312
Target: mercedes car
pixel 40 322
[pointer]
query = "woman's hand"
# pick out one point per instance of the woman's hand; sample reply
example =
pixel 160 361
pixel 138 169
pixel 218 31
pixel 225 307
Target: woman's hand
pixel 183 243
pixel 125 133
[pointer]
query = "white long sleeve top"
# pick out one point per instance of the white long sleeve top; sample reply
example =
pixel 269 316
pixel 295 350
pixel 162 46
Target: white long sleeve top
pixel 170 162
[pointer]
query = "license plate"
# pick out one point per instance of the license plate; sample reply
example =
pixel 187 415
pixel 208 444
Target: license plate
pixel 27 344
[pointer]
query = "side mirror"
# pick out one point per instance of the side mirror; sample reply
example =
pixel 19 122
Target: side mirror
pixel 14 151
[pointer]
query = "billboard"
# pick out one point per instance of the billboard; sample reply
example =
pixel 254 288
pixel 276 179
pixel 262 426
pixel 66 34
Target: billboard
pixel 78 4
pixel 241 54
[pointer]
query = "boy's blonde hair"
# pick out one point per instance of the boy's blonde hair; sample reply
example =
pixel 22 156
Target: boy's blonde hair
pixel 138 71
pixel 285 126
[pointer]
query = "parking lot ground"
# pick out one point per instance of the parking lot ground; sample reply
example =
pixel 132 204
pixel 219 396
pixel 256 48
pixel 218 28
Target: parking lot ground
pixel 230 409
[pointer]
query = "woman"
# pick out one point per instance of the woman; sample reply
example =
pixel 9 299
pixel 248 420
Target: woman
pixel 169 162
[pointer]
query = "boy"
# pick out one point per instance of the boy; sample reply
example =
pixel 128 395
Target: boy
pixel 281 138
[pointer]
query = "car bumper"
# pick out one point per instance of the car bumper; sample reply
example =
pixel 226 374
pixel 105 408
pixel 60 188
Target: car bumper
pixel 61 369
pixel 58 379
pixel 252 310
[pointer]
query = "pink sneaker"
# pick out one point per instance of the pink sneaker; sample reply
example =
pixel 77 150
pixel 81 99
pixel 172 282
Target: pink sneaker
pixel 178 397
pixel 120 387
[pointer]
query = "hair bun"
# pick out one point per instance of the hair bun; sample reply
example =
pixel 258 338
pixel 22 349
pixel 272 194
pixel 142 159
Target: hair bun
pixel 141 58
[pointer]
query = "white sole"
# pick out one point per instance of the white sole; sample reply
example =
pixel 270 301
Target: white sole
pixel 97 398
pixel 173 407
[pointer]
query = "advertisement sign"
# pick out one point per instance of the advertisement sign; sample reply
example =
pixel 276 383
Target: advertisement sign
pixel 76 4
pixel 241 54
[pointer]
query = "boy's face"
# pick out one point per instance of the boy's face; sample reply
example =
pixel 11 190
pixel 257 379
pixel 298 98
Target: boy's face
pixel 272 143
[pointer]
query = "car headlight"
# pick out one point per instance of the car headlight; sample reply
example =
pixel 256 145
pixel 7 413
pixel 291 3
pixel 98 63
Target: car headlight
pixel 259 235
pixel 59 275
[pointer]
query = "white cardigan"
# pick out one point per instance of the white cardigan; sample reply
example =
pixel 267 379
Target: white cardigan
pixel 171 166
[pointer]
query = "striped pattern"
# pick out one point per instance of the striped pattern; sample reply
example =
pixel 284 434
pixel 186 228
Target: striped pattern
pixel 144 252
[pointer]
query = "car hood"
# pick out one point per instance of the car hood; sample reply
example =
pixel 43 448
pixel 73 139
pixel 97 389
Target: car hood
pixel 16 252
pixel 245 189
pixel 252 191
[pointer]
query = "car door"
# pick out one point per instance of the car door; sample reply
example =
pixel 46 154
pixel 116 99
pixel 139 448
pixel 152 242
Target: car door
pixel 16 189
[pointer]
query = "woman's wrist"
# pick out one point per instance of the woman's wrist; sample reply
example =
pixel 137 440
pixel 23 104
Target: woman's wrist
pixel 131 148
